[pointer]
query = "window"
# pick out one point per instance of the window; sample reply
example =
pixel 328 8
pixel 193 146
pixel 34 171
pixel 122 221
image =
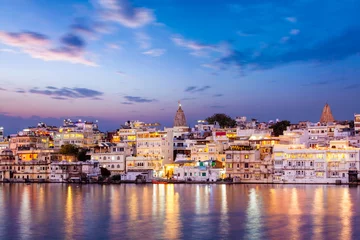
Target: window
pixel 343 175
pixel 238 165
pixel 311 164
pixel 289 164
pixel 246 165
pixel 118 158
pixel 185 174
pixel 203 174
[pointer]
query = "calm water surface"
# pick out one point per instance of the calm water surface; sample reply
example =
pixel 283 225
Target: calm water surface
pixel 59 211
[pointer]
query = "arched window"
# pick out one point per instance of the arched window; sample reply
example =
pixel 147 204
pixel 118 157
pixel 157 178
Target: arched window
pixel 112 166
pixel 118 158
pixel 118 166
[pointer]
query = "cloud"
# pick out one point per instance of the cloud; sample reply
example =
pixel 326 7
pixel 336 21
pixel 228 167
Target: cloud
pixel 155 52
pixel 40 47
pixel 135 99
pixel 192 45
pixel 51 87
pixel 24 39
pixel 294 31
pixel 143 40
pixel 352 86
pixel 121 73
pixel 194 89
pixel 291 19
pixel 245 34
pixel 121 11
pixel 2 89
pixel 217 106
pixel 7 50
pixel 127 103
pixel 188 99
pixel 114 46
pixel 332 49
pixel 72 41
pixel 211 66
pixel 20 91
pixel 285 39
pixel 68 93
pixel 218 95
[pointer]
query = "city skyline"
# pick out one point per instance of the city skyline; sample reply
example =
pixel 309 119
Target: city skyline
pixel 121 60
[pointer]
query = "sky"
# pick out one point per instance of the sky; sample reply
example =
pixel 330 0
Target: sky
pixel 119 60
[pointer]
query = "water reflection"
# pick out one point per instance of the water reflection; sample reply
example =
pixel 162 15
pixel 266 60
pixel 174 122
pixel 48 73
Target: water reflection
pixel 253 220
pixel 55 211
pixel 318 213
pixel 345 214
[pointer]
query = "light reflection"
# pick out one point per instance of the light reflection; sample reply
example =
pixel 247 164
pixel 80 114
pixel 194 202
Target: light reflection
pixel 253 216
pixel 346 214
pixel 294 215
pixel 69 218
pixel 224 217
pixel 318 213
pixel 25 213
pixel 172 221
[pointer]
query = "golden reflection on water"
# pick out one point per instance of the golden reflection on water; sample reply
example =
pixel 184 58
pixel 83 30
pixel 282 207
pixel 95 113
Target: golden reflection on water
pixel 172 220
pixel 224 218
pixel 345 214
pixel 115 204
pixel 25 213
pixel 69 211
pixel 294 214
pixel 318 212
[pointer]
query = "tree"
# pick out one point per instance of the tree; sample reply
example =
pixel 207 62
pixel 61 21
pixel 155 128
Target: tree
pixel 82 155
pixel 351 124
pixel 280 127
pixel 69 149
pixel 105 172
pixel 223 120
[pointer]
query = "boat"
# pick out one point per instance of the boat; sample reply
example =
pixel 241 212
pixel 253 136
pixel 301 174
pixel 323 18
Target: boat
pixel 159 182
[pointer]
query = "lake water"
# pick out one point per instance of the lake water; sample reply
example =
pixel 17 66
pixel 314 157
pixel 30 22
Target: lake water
pixel 129 211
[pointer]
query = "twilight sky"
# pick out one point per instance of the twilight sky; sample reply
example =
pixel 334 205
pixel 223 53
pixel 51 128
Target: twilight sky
pixel 115 60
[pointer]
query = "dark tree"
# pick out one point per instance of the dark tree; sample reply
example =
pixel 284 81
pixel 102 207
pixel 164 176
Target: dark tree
pixel 223 120
pixel 280 127
pixel 351 124
pixel 69 149
pixel 82 155
pixel 105 172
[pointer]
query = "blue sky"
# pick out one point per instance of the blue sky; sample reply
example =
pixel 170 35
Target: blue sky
pixel 115 60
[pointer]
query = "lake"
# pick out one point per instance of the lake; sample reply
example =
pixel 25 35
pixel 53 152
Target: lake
pixel 181 211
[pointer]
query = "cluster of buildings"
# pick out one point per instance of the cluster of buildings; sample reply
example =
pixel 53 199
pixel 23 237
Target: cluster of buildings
pixel 324 152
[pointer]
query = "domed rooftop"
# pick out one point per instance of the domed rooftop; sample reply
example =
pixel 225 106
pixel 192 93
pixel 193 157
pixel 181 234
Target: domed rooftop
pixel 180 120
pixel 326 115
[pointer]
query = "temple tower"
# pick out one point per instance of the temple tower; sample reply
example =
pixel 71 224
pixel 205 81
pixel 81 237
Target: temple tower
pixel 326 115
pixel 180 120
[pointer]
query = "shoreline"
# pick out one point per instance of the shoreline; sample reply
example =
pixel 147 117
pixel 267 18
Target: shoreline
pixel 176 182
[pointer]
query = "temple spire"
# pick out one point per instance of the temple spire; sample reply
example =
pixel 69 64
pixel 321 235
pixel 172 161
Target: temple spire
pixel 326 115
pixel 180 120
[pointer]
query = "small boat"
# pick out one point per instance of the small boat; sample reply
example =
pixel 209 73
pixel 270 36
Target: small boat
pixel 159 182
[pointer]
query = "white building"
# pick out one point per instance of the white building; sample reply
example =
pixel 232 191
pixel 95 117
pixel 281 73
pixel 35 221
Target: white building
pixel 203 172
pixel 298 164
pixel 65 171
pixel 112 157
pixel 357 123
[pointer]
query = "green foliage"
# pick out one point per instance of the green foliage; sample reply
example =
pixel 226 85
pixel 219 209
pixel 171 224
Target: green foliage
pixel 223 120
pixel 280 127
pixel 116 177
pixel 69 149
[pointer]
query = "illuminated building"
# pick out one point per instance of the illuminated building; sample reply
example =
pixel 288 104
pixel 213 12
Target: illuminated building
pixel 143 165
pixel 7 162
pixel 244 164
pixel 357 124
pixel 202 171
pixel 112 156
pixel 299 164
pixel 80 133
pixel 73 171
pixel 180 119
pixel 1 134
